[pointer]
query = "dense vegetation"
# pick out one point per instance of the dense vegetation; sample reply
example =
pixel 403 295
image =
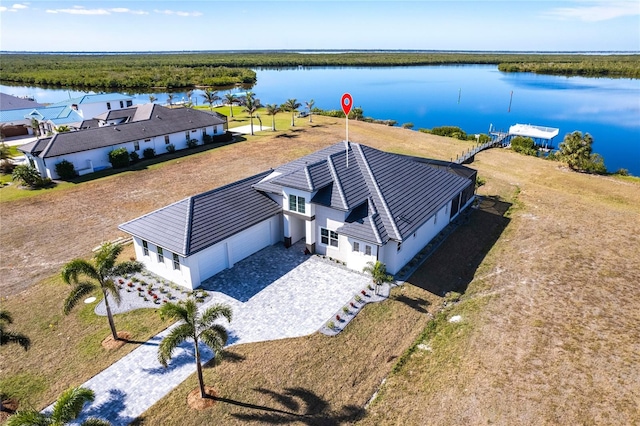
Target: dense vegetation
pixel 180 70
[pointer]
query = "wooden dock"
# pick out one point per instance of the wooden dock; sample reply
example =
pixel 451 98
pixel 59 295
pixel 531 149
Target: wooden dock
pixel 498 139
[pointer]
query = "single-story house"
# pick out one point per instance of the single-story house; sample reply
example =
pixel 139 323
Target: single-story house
pixel 13 111
pixel 350 202
pixel 136 129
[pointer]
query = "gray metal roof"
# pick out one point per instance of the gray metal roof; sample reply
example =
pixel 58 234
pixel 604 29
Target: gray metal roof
pixel 9 102
pixel 197 222
pixel 35 147
pixel 161 121
pixel 402 191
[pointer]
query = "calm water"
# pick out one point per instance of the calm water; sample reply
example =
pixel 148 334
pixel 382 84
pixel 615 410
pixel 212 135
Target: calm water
pixel 471 97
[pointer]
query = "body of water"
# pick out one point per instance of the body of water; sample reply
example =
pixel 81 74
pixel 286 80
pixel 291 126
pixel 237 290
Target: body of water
pixel 472 97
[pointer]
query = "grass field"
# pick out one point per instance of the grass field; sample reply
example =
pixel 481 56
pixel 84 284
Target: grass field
pixel 548 266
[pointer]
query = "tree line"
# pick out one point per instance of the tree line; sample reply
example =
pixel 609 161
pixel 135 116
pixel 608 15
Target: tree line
pixel 180 70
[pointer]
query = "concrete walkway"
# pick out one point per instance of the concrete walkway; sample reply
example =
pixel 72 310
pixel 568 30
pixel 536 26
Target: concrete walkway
pixel 276 293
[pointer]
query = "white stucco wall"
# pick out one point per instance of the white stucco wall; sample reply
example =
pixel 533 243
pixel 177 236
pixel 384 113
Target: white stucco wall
pixel 182 276
pixel 332 220
pixel 395 259
pixel 357 260
pixel 93 109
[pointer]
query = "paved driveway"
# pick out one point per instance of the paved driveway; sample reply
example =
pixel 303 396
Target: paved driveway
pixel 276 293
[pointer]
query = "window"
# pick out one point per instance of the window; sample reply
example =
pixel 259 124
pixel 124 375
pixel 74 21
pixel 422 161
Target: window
pixel 129 103
pixel 194 130
pixel 204 131
pixel 121 104
pixel 160 255
pixel 186 134
pixel 145 248
pixel 296 204
pixel 176 262
pixel 215 130
pixel 399 246
pixel 328 237
pixel 166 139
pixel 435 218
pixel 108 105
pixel 356 246
pixel 136 146
pixel 367 250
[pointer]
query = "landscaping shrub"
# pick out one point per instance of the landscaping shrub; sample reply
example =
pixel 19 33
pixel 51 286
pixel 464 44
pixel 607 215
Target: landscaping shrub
pixel 207 139
pixel 170 148
pixel 407 125
pixel 149 153
pixel 6 167
pixel 29 176
pixel 66 170
pixel 119 158
pixel 524 145
pixel 134 157
pixel 192 143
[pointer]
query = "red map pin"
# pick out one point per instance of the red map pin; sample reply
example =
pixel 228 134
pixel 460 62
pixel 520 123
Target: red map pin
pixel 347 103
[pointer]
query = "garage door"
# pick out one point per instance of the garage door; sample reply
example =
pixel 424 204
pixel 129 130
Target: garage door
pixel 250 241
pixel 212 261
pixel 11 131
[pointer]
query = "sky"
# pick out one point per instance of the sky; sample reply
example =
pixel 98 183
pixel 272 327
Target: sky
pixel 157 25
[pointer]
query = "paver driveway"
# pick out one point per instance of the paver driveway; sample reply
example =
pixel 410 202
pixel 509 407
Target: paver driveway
pixel 276 293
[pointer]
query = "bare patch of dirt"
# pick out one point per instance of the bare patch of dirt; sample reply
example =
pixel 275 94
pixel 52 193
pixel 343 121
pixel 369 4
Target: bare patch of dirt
pixel 196 402
pixel 111 344
pixel 9 407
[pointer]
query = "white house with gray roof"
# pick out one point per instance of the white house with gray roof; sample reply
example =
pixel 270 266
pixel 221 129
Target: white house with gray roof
pixel 350 202
pixel 136 129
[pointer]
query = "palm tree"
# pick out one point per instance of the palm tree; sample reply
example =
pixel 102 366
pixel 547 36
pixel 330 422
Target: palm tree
pixel 63 129
pixel 378 271
pixel 251 105
pixel 210 96
pixel 152 99
pixel 170 97
pixel 35 125
pixel 189 94
pixel 230 99
pixel 309 105
pixel 291 105
pixel 66 409
pixel 7 336
pixel 199 328
pixel 272 110
pixel 103 270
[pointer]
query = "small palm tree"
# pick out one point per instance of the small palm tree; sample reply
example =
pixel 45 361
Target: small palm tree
pixel 251 105
pixel 272 110
pixel 189 94
pixel 291 105
pixel 7 336
pixel 63 129
pixel 66 409
pixel 199 328
pixel 309 105
pixel 378 271
pixel 230 99
pixel 152 99
pixel 103 270
pixel 210 96
pixel 170 97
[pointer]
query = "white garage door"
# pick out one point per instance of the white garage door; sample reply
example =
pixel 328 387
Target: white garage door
pixel 249 241
pixel 212 261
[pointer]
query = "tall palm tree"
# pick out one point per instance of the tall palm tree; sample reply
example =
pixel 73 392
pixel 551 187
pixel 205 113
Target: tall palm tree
pixel 230 99
pixel 272 110
pixel 170 97
pixel 251 105
pixel 291 105
pixel 197 327
pixel 103 270
pixel 378 271
pixel 189 94
pixel 152 99
pixel 309 105
pixel 66 409
pixel 7 336
pixel 210 96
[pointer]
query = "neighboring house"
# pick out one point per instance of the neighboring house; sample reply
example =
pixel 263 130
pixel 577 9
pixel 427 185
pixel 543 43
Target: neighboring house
pixel 12 115
pixel 89 106
pixel 143 126
pixel 354 204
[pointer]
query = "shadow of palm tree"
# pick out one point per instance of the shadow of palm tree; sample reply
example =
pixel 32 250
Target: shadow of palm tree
pixel 287 135
pixel 299 406
pixel 418 304
pixel 110 410
pixel 225 356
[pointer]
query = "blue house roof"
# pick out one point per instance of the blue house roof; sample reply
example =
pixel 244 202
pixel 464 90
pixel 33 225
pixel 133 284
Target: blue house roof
pixel 89 99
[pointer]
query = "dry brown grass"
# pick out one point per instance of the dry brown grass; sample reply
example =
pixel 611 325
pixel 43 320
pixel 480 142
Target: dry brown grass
pixel 557 341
